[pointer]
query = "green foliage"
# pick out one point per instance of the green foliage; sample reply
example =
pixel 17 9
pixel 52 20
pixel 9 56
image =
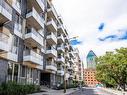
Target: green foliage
pixel 112 68
pixel 12 88
pixel 67 86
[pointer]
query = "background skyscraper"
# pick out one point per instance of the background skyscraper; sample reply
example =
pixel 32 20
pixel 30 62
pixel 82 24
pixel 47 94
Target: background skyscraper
pixel 91 60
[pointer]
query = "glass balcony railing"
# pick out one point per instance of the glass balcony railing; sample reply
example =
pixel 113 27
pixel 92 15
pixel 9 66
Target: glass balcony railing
pixel 6 6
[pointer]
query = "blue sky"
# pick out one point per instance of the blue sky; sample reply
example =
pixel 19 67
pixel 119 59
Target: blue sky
pixel 83 18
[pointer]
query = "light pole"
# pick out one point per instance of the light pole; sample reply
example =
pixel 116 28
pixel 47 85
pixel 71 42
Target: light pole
pixel 65 77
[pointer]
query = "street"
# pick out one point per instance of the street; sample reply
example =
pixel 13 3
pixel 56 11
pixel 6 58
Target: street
pixel 91 91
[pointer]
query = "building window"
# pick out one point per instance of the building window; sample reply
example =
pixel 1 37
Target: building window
pixel 23 71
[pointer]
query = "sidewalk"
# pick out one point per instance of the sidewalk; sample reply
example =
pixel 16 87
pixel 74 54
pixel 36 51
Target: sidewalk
pixel 114 91
pixel 56 92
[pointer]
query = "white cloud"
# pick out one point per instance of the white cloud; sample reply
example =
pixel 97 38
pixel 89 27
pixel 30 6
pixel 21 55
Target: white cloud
pixel 82 18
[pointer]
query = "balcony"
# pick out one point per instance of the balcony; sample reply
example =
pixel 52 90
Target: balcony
pixel 34 19
pixel 67 46
pixel 18 30
pixel 60 38
pixel 10 55
pixel 68 64
pixel 51 52
pixel 60 71
pixel 52 12
pixel 61 59
pixel 33 37
pixel 71 61
pixel 51 25
pixel 71 54
pixel 5 12
pixel 31 56
pixel 17 6
pixel 51 38
pixel 67 55
pixel 4 47
pixel 70 68
pixel 51 66
pixel 61 28
pixel 37 4
pixel 61 48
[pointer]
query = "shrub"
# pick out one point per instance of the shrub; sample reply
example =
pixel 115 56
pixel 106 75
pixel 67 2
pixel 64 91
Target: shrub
pixel 13 88
pixel 67 86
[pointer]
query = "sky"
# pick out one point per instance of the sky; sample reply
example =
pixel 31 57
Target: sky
pixel 100 24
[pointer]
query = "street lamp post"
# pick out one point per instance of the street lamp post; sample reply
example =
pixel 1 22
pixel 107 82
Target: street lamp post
pixel 65 77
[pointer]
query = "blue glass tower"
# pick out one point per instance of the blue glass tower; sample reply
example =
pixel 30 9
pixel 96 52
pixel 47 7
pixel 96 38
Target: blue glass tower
pixel 91 63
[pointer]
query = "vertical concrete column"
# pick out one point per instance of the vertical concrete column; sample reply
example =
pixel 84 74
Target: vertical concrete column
pixel 19 69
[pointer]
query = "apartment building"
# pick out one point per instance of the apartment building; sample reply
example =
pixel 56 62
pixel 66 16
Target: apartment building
pixel 89 77
pixel 78 67
pixel 34 44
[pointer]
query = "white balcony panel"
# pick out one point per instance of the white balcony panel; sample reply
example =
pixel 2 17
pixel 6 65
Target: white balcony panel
pixel 51 53
pixel 61 48
pixel 34 38
pixel 34 19
pixel 61 28
pixel 37 4
pixel 52 12
pixel 12 56
pixel 67 46
pixel 17 6
pixel 41 4
pixel 60 72
pixel 4 47
pixel 51 38
pixel 71 61
pixel 60 38
pixel 5 12
pixel 61 59
pixel 51 66
pixel 71 54
pixel 51 25
pixel 33 57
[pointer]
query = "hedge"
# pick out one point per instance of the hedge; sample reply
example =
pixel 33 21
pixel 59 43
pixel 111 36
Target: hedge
pixel 13 88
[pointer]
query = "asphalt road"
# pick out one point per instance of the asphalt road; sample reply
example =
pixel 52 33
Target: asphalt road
pixel 91 91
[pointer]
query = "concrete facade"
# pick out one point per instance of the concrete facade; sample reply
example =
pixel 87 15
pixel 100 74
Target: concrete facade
pixel 34 44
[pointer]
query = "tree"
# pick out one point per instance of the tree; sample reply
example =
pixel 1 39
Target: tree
pixel 112 68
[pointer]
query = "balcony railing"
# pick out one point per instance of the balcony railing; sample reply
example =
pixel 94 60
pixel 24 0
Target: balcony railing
pixel 5 12
pixel 52 35
pixel 61 59
pixel 35 57
pixel 17 5
pixel 60 47
pixel 61 28
pixel 54 12
pixel 51 66
pixel 52 24
pixel 5 6
pixel 34 35
pixel 60 37
pixel 4 42
pixel 51 50
pixel 33 31
pixel 35 14
pixel 51 63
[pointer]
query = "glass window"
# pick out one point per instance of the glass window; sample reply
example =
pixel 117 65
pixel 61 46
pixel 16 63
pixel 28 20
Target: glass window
pixel 23 71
